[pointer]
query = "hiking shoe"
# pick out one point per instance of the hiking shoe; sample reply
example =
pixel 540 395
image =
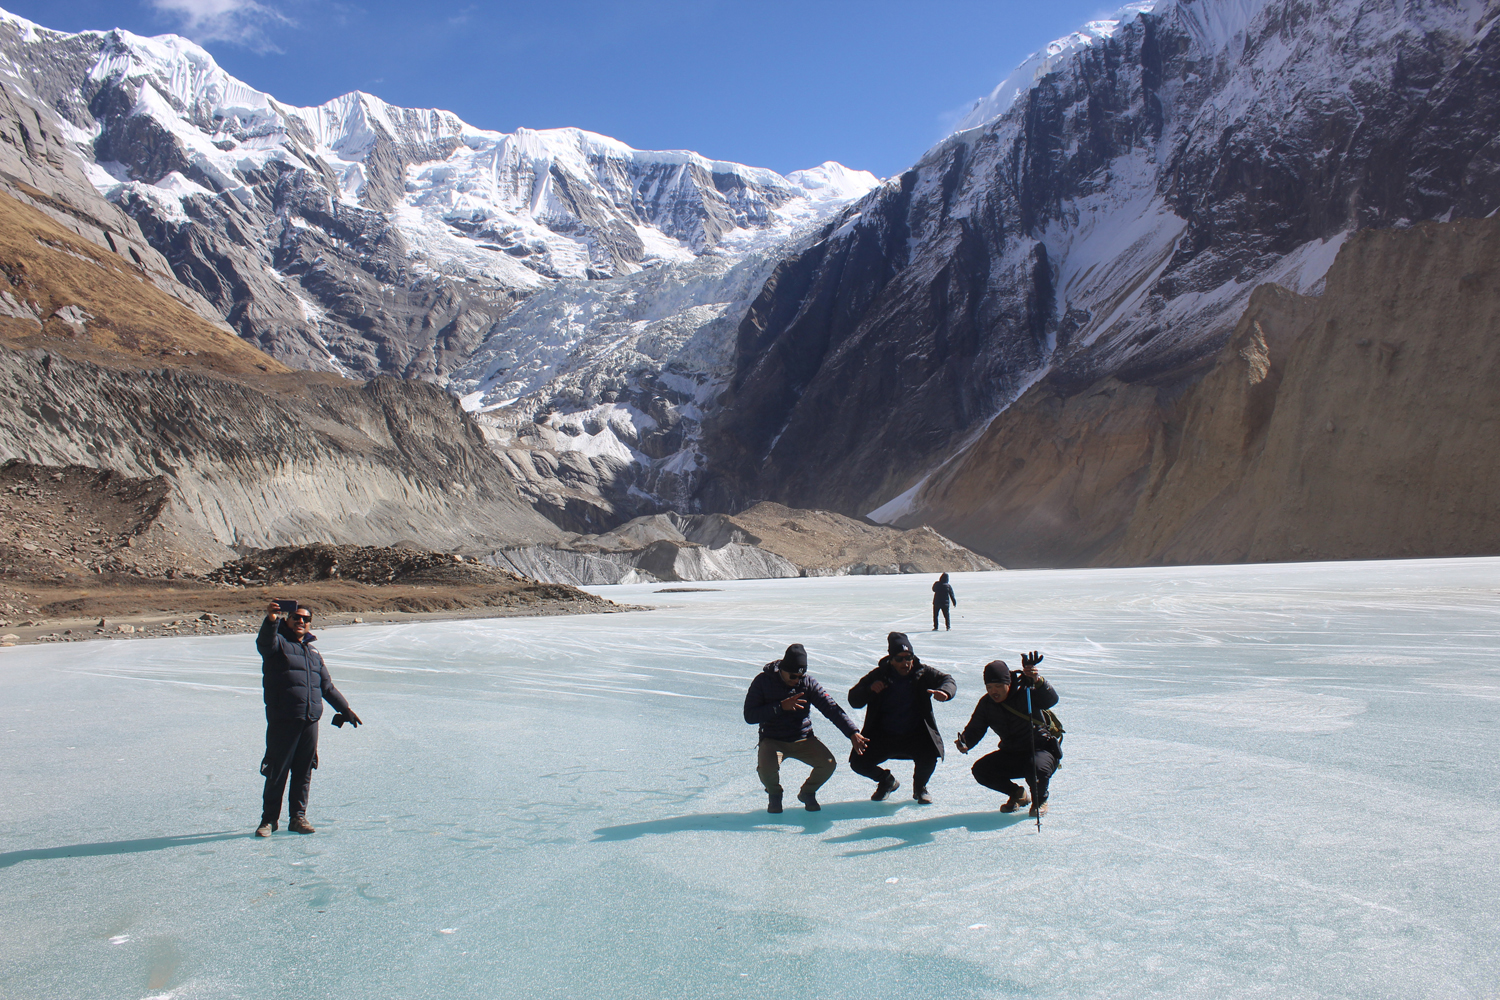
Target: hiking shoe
pixel 299 824
pixel 264 830
pixel 1039 809
pixel 922 797
pixel 809 799
pixel 774 803
pixel 1014 802
pixel 887 785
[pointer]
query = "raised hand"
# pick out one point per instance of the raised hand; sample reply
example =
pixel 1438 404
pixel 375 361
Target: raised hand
pixel 274 611
pixel 1029 662
pixel 877 686
pixel 794 702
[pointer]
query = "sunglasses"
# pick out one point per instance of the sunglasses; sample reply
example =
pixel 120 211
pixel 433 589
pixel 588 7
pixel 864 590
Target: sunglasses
pixel 301 618
pixel 795 675
pixel 903 658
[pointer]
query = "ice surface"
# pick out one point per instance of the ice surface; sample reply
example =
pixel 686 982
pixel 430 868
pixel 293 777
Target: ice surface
pixel 1279 781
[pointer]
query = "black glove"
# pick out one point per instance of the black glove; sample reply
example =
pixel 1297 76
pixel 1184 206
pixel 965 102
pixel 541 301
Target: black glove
pixel 1031 659
pixel 339 718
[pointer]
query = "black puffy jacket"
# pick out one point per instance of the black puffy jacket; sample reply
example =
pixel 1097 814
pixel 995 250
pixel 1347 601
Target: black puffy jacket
pixel 293 678
pixel 923 679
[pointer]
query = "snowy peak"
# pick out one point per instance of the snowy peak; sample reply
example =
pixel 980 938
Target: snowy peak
pixel 557 203
pixel 1047 60
pixel 363 237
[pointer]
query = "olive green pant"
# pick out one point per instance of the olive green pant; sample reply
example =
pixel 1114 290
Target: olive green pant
pixel 810 751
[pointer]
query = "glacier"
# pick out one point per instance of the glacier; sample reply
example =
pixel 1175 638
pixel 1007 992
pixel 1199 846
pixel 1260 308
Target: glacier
pixel 1278 779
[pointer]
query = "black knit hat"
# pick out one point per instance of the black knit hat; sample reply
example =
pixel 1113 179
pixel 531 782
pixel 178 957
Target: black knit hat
pixel 897 642
pixel 795 658
pixel 996 672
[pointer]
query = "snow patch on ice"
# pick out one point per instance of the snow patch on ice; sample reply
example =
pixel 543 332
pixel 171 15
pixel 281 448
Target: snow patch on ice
pixel 1265 709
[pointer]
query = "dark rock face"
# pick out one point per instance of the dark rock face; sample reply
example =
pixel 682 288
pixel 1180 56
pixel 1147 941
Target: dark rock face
pixel 1112 222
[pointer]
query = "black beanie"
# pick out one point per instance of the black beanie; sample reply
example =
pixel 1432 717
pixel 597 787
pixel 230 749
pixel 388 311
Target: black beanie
pixel 897 642
pixel 795 657
pixel 996 672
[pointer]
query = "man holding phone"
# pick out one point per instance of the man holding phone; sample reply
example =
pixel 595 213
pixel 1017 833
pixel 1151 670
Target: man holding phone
pixel 294 682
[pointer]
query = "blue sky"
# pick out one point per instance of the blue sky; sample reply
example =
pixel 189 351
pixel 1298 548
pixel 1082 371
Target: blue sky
pixel 773 83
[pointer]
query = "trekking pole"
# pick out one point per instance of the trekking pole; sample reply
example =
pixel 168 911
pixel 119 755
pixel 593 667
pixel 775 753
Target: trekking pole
pixel 1036 782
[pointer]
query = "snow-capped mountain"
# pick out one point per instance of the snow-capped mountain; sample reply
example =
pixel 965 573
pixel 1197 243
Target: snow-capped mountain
pixel 642 331
pixel 1107 211
pixel 365 238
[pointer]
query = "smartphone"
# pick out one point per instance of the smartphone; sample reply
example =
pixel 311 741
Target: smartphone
pixel 287 607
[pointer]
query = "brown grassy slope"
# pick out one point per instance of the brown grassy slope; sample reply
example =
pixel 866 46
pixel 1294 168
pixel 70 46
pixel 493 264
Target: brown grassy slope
pixel 1366 427
pixel 45 268
pixel 1360 424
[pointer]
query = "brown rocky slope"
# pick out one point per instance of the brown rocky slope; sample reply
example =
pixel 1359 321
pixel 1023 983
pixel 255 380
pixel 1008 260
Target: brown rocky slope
pixel 1361 423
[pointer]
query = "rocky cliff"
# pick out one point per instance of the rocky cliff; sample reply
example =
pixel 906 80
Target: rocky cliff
pixel 1110 217
pixel 291 459
pixel 39 168
pixel 1361 423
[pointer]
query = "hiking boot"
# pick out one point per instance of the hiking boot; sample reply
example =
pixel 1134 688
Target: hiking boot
pixel 1015 801
pixel 887 785
pixel 1039 809
pixel 299 824
pixel 773 805
pixel 809 799
pixel 264 830
pixel 922 797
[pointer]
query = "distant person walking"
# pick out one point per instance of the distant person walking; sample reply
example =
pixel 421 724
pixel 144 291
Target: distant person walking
pixel 897 698
pixel 294 683
pixel 1003 710
pixel 778 702
pixel 942 596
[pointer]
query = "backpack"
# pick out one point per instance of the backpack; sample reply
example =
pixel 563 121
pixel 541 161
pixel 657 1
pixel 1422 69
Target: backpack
pixel 1049 728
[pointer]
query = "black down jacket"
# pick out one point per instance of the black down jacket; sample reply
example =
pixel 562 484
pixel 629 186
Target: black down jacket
pixel 293 678
pixel 923 679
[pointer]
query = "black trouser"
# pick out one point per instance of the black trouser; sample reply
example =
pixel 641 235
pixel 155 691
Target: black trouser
pixel 291 748
pixel 915 746
pixel 947 622
pixel 994 771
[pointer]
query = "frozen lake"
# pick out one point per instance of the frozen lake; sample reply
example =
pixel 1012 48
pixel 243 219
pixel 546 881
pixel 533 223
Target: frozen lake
pixel 1279 781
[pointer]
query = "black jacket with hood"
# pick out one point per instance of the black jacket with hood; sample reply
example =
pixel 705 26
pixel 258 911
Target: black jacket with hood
pixel 942 593
pixel 923 679
pixel 293 679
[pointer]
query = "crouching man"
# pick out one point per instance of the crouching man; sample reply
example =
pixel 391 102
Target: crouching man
pixel 778 702
pixel 1027 747
pixel 897 697
pixel 295 683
